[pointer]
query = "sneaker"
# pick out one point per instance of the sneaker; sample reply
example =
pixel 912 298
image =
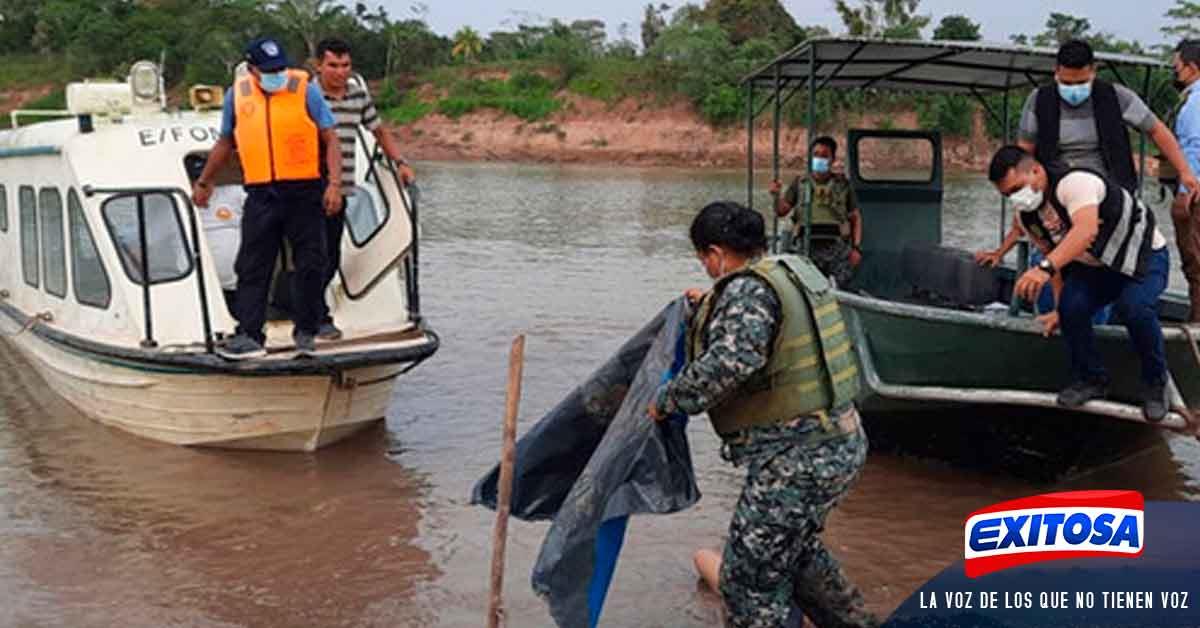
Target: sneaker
pixel 306 344
pixel 241 347
pixel 1154 403
pixel 1080 393
pixel 328 331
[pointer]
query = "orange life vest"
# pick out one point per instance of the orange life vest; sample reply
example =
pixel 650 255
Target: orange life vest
pixel 276 138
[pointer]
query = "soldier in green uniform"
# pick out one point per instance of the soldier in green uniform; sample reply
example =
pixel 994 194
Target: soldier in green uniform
pixel 836 221
pixel 770 361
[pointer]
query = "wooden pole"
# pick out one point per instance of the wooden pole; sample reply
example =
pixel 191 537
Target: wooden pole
pixel 516 362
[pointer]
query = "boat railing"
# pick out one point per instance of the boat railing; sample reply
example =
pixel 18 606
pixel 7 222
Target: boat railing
pixel 147 305
pixel 16 115
pixel 378 159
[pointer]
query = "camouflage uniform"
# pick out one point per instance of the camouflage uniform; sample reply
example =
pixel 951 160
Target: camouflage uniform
pixel 774 557
pixel 832 203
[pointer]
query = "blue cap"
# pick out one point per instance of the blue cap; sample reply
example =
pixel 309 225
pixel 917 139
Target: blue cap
pixel 267 55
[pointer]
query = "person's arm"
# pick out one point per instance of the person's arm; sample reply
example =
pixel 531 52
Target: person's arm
pixel 1187 132
pixel 333 165
pixel 392 150
pixel 1085 224
pixel 1165 141
pixel 992 258
pixel 202 187
pixel 322 115
pixel 1027 129
pixel 786 201
pixel 744 324
pixel 856 228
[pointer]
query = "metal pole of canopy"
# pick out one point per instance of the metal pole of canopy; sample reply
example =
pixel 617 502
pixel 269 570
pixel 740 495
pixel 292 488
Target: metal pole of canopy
pixel 775 163
pixel 808 138
pixel 750 144
pixel 1007 140
pixel 1142 140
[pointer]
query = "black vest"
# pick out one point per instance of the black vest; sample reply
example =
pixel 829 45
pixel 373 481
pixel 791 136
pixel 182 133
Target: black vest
pixel 1110 128
pixel 1127 226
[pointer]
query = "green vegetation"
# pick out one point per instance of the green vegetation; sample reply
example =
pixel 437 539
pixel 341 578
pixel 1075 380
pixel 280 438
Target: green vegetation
pixel 692 52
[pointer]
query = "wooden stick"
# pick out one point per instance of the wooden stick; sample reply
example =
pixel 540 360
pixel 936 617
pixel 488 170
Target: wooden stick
pixel 516 363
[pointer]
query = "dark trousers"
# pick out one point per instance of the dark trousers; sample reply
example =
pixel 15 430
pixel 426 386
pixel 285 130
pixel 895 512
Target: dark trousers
pixel 271 213
pixel 334 226
pixel 1087 289
pixel 1187 236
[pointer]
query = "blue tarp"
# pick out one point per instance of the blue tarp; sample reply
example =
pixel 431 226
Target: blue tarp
pixel 595 459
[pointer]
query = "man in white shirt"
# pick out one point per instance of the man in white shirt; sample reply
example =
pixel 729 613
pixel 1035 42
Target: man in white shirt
pixel 1109 250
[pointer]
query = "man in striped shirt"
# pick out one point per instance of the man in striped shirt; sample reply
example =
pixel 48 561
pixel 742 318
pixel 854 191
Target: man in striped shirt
pixel 352 107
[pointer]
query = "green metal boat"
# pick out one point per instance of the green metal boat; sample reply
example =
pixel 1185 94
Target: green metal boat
pixel 933 329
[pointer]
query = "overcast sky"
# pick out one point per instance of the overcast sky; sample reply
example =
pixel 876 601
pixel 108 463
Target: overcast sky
pixel 1136 20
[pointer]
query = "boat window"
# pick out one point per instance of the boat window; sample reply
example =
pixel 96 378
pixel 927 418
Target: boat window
pixel 167 258
pixel 3 209
pixel 29 235
pixel 54 253
pixel 365 214
pixel 895 159
pixel 88 276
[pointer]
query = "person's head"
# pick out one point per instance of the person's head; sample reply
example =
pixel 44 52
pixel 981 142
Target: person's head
pixel 726 235
pixel 1018 176
pixel 333 62
pixel 268 62
pixel 1074 71
pixel 1186 62
pixel 824 153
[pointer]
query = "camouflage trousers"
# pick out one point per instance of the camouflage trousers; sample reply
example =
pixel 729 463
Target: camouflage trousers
pixel 831 256
pixel 774 558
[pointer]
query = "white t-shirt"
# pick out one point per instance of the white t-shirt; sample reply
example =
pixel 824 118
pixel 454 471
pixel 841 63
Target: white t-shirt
pixel 1075 191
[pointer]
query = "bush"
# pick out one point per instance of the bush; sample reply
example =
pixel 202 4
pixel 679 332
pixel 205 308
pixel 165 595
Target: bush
pixel 950 114
pixel 408 110
pixel 723 105
pixel 526 95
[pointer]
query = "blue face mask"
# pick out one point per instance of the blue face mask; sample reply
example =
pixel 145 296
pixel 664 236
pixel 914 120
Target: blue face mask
pixel 1075 95
pixel 273 81
pixel 820 165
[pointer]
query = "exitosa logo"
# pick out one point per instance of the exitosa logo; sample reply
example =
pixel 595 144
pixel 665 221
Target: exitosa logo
pixel 1054 526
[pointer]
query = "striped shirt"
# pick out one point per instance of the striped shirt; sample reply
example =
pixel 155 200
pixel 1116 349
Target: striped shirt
pixel 349 111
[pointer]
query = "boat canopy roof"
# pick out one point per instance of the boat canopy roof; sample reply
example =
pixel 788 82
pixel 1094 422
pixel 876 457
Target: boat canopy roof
pixel 939 66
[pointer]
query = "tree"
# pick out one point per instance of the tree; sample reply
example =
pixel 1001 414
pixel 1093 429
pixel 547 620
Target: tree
pixel 591 31
pixel 1186 18
pixel 957 28
pixel 308 19
pixel 467 44
pixel 892 19
pixel 751 19
pixel 653 24
pixel 1061 28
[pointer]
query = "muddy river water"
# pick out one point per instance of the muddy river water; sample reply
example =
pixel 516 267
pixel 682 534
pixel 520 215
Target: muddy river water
pixel 99 528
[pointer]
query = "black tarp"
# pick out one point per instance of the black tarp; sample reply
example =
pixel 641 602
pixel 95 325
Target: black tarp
pixel 597 456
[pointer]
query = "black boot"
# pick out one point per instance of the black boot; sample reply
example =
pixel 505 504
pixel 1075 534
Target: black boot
pixel 1154 403
pixel 1082 392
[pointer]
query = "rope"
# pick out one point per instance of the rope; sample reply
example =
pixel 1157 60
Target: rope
pixel 29 323
pixel 1181 409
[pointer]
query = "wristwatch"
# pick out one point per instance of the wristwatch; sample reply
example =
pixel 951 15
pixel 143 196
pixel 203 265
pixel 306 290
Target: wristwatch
pixel 1047 266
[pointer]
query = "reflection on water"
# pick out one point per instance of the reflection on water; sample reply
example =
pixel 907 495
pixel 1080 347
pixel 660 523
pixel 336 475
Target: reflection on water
pixel 102 529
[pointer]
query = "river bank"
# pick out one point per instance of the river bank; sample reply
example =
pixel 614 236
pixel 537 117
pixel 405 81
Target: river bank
pixel 632 133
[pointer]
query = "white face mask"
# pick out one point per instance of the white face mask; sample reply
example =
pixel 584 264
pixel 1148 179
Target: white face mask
pixel 1026 199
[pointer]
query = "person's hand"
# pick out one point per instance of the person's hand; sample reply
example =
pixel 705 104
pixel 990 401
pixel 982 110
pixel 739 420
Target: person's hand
pixel 693 295
pixel 988 258
pixel 1189 181
pixel 333 199
pixel 1049 323
pixel 775 188
pixel 654 412
pixel 855 257
pixel 201 192
pixel 1030 284
pixel 406 174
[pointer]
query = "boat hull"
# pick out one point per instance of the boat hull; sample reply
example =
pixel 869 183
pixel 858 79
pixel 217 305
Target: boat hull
pixel 263 412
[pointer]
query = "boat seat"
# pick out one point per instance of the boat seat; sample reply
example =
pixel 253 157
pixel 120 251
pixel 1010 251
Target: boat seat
pixel 948 277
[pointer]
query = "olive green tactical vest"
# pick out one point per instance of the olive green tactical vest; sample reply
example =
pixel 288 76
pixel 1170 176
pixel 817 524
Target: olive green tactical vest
pixel 812 366
pixel 829 204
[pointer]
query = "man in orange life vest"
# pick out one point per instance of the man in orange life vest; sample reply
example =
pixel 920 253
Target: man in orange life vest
pixel 277 120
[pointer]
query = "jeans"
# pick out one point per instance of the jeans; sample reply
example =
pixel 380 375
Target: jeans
pixel 1045 300
pixel 1087 289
